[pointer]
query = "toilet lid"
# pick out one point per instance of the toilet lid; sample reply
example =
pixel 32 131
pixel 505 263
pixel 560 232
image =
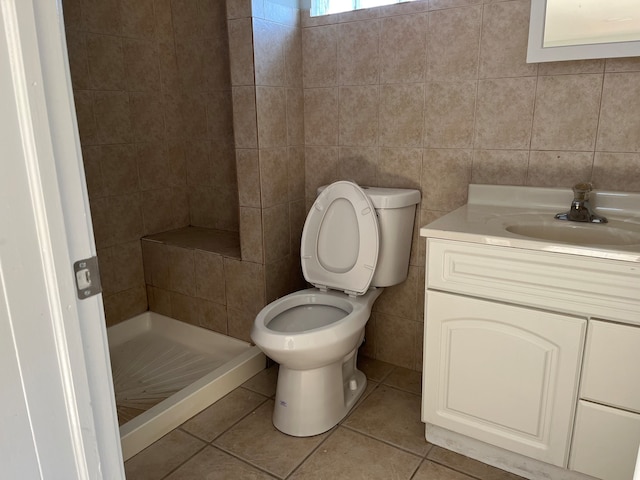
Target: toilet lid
pixel 339 247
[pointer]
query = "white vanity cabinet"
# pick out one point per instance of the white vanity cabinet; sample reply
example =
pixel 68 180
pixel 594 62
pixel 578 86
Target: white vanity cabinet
pixel 506 331
pixel 502 374
pixel 607 427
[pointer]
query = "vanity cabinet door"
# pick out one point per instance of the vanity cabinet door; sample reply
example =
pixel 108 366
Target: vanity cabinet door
pixel 605 441
pixel 502 374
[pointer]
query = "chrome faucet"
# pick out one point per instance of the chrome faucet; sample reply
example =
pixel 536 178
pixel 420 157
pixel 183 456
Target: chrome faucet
pixel 580 210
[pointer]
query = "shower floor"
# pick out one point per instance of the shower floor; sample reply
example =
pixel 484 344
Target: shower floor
pixel 165 371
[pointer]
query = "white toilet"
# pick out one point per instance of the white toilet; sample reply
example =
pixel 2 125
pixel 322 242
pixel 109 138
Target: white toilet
pixel 355 241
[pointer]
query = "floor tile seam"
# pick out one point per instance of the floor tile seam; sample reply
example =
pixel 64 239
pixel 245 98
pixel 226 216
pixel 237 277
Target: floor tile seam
pixel 185 461
pixel 331 431
pixel 358 404
pixel 386 442
pixel 419 395
pixel 247 461
pixel 256 391
pixel 450 467
pixel 251 411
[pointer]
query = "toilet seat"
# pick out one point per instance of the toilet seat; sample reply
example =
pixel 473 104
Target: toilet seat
pixel 340 240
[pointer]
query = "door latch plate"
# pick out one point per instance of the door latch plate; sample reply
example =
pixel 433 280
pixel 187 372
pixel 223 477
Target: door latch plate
pixel 87 277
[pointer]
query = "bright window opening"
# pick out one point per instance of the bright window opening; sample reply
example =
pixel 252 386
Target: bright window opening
pixel 327 7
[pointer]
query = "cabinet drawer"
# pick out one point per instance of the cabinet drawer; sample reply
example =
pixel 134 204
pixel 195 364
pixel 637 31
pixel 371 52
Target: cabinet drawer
pixel 605 442
pixel 611 369
pixel 581 285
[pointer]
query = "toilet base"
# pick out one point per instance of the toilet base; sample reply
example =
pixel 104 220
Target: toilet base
pixel 310 402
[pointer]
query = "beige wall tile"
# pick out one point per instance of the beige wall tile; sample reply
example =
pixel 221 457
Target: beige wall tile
pixel 358 117
pixel 209 276
pixel 137 18
pixel 154 166
pixel 245 128
pixel 85 114
pixel 445 178
pixel 449 114
pixel 159 300
pixel 141 64
pixel 106 62
pixel 126 304
pixel 293 56
pixel 295 116
pixel 295 173
pixel 559 168
pixel 112 115
pixel 401 115
pixel 212 316
pixel 617 171
pixel 320 56
pixel 320 116
pixel 238 8
pixel 619 119
pixel 248 168
pixel 500 167
pixel 244 285
pixel 277 238
pixel 503 50
pixel 101 16
pixel 358 53
pixel 504 113
pixel 631 64
pixel 251 235
pixel 241 52
pixel 321 168
pixel 359 164
pixel 400 167
pixel 271 108
pixel 268 45
pixel 277 283
pixel 395 337
pixel 453 42
pixel 119 169
pixel 182 270
pixel 571 68
pixel 566 112
pixel 159 210
pixel 274 180
pixel 240 323
pixel 400 300
pixel 408 63
pixel 147 116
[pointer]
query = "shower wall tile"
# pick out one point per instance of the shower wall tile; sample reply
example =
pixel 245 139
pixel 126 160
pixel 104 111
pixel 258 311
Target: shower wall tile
pixel 274 180
pixel 277 282
pixel 251 235
pixel 244 285
pixel 295 116
pixel 123 305
pixel 268 48
pixel 248 168
pixel 320 116
pixel 149 77
pixel 271 111
pixel 241 52
pixel 245 126
pixel 320 56
pixel 277 238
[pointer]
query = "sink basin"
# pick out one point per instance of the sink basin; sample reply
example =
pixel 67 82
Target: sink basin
pixel 550 229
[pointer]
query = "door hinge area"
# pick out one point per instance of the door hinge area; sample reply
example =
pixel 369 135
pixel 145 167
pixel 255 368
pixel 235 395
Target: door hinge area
pixel 87 277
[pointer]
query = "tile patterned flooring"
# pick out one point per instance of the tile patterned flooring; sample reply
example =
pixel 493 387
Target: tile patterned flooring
pixel 381 438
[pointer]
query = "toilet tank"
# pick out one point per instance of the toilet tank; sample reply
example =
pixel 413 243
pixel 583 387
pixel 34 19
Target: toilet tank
pixel 395 208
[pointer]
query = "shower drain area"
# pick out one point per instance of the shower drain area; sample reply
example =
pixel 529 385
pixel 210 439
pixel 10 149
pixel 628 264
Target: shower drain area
pixel 166 371
pixel 150 368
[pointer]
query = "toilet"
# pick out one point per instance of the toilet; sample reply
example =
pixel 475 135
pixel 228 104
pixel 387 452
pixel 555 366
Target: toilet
pixel 356 240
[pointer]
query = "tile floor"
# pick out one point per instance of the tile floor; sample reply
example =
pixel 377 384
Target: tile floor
pixel 381 438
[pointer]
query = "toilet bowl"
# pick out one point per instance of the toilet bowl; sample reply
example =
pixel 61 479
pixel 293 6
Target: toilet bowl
pixel 314 334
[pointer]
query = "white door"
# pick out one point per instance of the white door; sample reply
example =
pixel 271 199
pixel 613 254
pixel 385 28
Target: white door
pixel 502 374
pixel 58 415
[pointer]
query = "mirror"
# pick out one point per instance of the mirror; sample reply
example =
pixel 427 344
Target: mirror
pixel 582 29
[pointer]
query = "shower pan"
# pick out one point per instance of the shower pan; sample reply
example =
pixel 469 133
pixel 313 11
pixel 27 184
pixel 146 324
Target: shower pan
pixel 165 371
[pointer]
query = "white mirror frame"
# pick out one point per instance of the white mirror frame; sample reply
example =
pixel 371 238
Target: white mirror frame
pixel 536 52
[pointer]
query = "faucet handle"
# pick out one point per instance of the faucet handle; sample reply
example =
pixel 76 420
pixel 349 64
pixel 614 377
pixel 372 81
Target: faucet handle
pixel 581 190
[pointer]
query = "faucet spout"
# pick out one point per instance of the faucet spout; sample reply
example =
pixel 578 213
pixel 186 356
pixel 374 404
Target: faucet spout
pixel 581 210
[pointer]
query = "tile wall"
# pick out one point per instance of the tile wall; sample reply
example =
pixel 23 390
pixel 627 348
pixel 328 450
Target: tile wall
pixel 152 90
pixel 437 94
pixel 265 41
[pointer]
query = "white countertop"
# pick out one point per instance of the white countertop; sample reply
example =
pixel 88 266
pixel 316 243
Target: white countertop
pixel 491 207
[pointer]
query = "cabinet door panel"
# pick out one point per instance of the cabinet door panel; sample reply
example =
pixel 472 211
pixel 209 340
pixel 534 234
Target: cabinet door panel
pixel 605 442
pixel 502 374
